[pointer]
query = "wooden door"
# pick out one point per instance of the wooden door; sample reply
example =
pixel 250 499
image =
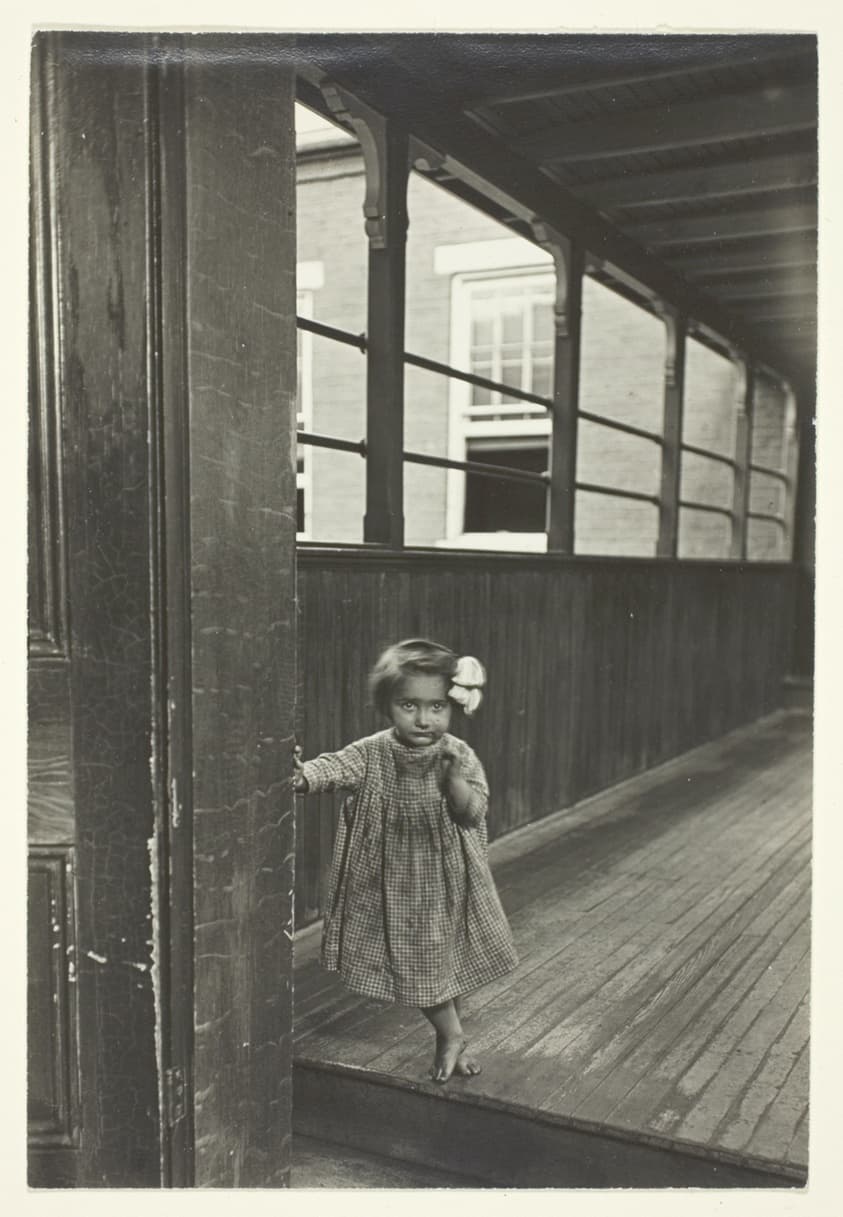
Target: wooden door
pixel 161 590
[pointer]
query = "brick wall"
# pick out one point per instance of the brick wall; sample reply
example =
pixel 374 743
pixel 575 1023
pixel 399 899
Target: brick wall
pixel 621 377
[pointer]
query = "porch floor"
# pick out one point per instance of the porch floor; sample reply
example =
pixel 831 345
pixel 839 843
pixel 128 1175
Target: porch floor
pixel 663 930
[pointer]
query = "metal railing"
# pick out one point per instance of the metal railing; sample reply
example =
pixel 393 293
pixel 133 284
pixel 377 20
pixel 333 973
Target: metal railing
pixel 481 468
pixel 770 473
pixel 507 473
pixel 693 505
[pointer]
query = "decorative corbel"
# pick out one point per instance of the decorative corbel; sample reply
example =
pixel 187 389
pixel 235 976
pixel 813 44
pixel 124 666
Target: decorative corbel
pixel 384 220
pixel 673 322
pixel 569 262
pixel 569 259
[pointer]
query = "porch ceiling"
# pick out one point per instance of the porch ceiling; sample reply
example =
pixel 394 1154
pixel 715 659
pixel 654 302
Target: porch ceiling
pixel 689 162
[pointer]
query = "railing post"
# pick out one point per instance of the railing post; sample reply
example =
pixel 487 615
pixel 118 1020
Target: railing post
pixel 676 328
pixel 791 469
pixel 385 155
pixel 569 260
pixel 743 450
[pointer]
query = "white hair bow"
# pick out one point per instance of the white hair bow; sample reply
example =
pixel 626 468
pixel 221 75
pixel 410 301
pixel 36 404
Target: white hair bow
pixel 468 679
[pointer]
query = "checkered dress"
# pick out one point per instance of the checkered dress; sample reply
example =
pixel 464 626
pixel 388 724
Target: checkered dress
pixel 413 915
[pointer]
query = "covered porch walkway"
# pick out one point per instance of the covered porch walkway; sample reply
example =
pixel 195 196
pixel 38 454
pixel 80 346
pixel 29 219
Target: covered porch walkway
pixel 656 1030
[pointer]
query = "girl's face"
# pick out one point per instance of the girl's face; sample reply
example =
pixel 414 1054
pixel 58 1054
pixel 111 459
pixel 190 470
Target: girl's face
pixel 420 710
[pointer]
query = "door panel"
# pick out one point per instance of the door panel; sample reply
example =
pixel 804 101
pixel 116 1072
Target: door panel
pixel 162 624
pixel 94 1115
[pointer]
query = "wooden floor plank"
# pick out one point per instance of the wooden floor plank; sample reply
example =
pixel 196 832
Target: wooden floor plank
pixel 728 1040
pixel 785 1120
pixel 663 929
pixel 737 1131
pixel 675 1044
pixel 729 1085
pixel 621 1013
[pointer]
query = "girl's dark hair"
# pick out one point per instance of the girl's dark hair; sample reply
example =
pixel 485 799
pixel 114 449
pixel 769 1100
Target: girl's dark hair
pixel 411 657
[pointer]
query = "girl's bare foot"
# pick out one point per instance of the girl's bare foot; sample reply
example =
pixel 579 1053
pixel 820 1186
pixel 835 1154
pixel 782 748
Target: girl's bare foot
pixel 466 1066
pixel 448 1051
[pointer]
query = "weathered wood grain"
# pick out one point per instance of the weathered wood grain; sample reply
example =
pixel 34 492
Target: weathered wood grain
pixel 241 383
pixel 97 133
pixel 49 762
pixel 53 1084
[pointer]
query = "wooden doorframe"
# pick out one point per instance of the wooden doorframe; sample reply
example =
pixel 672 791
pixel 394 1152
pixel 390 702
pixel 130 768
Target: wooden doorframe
pixel 170 564
pixel 172 201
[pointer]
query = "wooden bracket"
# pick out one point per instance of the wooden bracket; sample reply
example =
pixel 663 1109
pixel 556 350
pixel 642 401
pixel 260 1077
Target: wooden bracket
pixel 424 157
pixel 674 321
pixel 569 260
pixel 566 259
pixel 385 223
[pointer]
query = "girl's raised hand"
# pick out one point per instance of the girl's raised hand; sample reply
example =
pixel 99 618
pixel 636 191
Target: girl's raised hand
pixel 450 767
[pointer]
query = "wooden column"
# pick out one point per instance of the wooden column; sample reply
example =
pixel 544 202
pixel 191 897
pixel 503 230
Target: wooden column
pixel 791 468
pixel 675 324
pixel 802 554
pixel 743 449
pixel 386 156
pixel 238 208
pixel 569 260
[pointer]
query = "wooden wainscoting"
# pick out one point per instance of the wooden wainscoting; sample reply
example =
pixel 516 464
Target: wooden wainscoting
pixel 598 668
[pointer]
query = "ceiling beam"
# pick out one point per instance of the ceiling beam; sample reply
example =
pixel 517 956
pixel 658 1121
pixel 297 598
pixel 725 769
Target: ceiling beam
pixel 783 251
pixel 725 180
pixel 769 289
pixel 747 269
pixel 498 175
pixel 790 318
pixel 634 76
pixel 727 226
pixel 715 120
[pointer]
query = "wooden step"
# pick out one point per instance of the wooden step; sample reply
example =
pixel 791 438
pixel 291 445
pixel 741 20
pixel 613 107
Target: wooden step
pixel 498 1144
pixel 324 1164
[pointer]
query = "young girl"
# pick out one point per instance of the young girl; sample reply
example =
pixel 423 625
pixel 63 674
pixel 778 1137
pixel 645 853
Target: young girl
pixel 412 914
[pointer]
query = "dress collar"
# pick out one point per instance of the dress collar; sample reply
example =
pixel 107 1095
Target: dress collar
pixel 414 756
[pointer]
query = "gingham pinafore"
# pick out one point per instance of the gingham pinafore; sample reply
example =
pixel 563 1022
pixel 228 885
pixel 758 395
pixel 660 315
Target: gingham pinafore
pixel 413 915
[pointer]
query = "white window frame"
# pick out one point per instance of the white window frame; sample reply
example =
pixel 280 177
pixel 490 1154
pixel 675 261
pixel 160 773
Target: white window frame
pixel 461 427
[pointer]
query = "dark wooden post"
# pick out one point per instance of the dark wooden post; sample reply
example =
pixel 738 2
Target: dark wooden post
pixel 791 469
pixel 743 449
pixel 671 466
pixel 386 156
pixel 569 260
pixel 238 204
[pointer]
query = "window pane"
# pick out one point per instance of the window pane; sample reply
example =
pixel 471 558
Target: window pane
pixel 542 378
pixel 495 506
pixel 514 315
pixel 481 333
pixel 543 324
pixel 511 375
pixel 479 395
pixel 512 329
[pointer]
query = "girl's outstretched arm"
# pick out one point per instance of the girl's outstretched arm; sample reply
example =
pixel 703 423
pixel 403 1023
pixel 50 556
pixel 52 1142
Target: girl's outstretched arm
pixel 299 780
pixel 343 770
